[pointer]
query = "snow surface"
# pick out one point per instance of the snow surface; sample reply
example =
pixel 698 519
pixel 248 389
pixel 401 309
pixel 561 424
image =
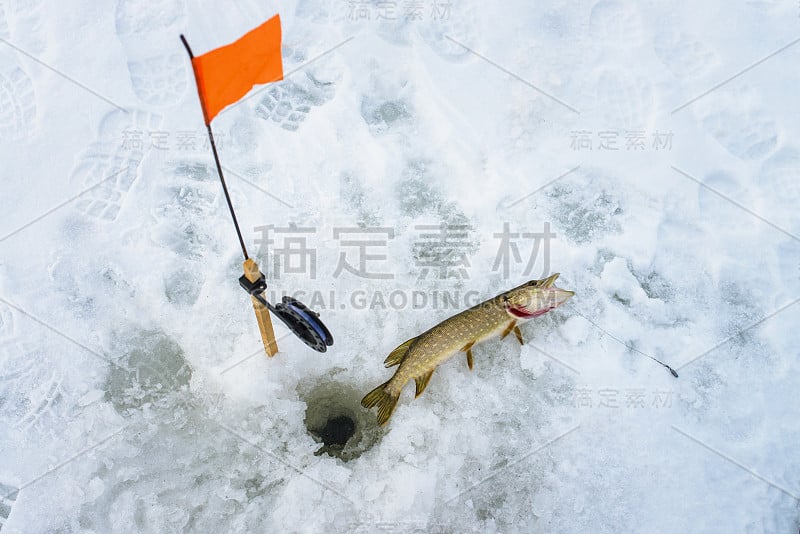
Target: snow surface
pixel 122 409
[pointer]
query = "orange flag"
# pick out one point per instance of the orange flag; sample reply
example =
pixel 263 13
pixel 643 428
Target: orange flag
pixel 226 74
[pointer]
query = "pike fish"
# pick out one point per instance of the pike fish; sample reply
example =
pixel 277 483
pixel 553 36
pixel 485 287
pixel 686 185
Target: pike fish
pixel 418 357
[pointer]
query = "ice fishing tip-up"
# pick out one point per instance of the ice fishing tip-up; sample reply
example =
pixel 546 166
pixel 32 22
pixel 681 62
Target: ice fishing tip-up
pixel 302 321
pixel 222 80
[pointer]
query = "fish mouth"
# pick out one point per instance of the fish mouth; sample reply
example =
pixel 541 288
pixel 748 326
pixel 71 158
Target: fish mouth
pixel 521 312
pixel 554 297
pixel 548 282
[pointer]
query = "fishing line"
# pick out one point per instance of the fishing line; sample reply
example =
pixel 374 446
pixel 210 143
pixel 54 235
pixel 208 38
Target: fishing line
pixel 672 371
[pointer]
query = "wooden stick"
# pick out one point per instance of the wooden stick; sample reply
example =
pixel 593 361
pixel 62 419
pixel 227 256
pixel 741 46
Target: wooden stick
pixel 251 272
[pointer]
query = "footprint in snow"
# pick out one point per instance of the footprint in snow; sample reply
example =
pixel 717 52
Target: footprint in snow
pixel 8 495
pixel 31 390
pixel 148 32
pixel 152 370
pixel 779 175
pixel 617 24
pixel 17 101
pixel 779 187
pixel 585 213
pixel 747 134
pixel 195 455
pixel 442 26
pixel 445 24
pixel 289 102
pixel 624 102
pixel 732 117
pixel 184 211
pixel 113 159
pixel 384 115
pixel 683 55
pixel 21 23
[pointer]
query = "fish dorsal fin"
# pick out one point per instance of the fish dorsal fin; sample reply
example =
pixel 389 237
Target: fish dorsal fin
pixel 397 355
pixel 422 383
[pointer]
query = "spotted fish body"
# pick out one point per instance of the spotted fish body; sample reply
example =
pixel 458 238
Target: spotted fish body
pixel 447 338
pixel 419 357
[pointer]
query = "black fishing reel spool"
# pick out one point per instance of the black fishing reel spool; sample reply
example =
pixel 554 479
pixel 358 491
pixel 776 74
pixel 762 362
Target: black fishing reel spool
pixel 298 318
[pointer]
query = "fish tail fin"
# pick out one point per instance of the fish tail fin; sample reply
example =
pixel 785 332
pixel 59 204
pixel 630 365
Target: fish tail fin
pixel 383 400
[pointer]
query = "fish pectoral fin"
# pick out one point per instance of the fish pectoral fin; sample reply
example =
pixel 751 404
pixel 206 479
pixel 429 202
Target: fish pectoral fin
pixel 508 329
pixel 468 349
pixel 422 383
pixel 397 355
pixel 518 333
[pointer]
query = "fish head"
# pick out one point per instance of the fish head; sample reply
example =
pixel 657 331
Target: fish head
pixel 534 298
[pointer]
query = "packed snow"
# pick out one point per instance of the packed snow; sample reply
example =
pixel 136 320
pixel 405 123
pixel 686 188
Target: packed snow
pixel 417 158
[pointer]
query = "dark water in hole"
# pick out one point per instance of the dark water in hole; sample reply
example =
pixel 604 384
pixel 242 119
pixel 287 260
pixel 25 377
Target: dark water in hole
pixel 337 431
pixel 336 420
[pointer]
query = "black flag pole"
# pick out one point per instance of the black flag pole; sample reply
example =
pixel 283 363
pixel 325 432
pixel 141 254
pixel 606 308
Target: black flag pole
pixel 219 166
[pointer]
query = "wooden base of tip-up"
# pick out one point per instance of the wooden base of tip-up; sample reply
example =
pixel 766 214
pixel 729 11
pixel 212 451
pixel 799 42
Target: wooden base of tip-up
pixel 252 273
